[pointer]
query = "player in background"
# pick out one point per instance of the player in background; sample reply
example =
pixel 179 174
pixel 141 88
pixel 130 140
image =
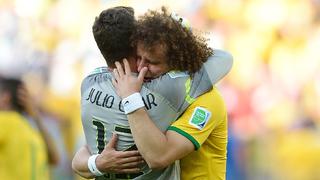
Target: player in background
pixel 25 152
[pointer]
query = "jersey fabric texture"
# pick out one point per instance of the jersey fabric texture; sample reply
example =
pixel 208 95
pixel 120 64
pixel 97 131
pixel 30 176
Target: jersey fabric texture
pixel 23 153
pixel 165 99
pixel 204 123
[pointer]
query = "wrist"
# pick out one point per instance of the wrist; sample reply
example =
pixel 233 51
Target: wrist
pixel 127 94
pixel 99 163
pixel 92 165
pixel 132 102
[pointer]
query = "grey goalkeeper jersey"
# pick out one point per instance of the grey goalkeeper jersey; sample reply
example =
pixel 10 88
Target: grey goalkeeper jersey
pixel 165 99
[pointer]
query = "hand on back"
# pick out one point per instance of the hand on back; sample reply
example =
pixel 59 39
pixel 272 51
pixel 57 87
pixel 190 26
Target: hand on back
pixel 113 161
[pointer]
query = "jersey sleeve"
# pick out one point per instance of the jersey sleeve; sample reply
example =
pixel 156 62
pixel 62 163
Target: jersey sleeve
pixel 181 90
pixel 218 65
pixel 201 118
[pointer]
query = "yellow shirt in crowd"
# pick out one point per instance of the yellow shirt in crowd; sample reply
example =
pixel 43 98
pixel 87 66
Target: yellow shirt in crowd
pixel 22 150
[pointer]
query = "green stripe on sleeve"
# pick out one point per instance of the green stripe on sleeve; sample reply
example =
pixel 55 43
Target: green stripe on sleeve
pixel 188 136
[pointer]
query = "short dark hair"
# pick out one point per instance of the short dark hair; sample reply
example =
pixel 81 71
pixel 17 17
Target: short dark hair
pixel 112 31
pixel 184 50
pixel 11 86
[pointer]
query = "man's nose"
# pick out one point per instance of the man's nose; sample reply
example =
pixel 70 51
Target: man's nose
pixel 141 63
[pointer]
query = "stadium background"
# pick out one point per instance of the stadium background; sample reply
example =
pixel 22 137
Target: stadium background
pixel 272 93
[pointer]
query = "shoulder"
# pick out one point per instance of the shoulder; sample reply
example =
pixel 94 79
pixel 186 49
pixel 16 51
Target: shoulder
pixel 12 120
pixel 211 98
pixel 98 75
pixel 218 65
pixel 212 101
pixel 99 70
pixel 170 85
pixel 222 53
pixel 10 117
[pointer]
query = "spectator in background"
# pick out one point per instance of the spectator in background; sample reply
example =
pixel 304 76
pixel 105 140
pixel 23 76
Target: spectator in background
pixel 25 152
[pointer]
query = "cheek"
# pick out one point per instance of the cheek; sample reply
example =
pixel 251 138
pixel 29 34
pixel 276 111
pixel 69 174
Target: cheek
pixel 153 69
pixel 157 70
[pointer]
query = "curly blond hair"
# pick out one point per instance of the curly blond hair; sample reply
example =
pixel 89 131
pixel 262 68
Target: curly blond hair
pixel 184 50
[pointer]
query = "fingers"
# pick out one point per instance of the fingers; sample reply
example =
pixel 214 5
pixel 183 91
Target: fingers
pixel 142 73
pixel 126 66
pixel 134 165
pixel 128 170
pixel 141 63
pixel 126 154
pixel 119 68
pixel 113 141
pixel 131 161
pixel 111 160
pixel 116 74
pixel 114 83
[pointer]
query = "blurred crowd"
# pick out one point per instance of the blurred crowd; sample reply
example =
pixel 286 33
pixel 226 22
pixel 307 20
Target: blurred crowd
pixel 272 92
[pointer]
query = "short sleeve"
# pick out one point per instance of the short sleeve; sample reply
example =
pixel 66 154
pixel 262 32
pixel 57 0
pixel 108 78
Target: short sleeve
pixel 201 118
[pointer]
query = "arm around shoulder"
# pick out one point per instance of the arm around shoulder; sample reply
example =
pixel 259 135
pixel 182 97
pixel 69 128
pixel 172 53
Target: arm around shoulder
pixel 158 149
pixel 218 65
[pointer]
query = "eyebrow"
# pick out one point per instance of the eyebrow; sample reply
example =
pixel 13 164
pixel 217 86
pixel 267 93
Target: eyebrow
pixel 152 61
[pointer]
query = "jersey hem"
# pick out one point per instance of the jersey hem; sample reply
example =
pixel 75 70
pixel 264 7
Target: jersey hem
pixel 186 135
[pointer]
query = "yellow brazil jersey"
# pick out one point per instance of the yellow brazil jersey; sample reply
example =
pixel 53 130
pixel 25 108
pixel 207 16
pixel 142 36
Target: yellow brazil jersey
pixel 22 150
pixel 204 123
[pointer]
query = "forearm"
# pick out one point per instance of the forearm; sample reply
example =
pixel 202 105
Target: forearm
pixel 53 155
pixel 152 144
pixel 80 163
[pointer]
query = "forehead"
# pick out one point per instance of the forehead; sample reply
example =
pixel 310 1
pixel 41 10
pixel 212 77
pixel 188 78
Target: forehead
pixel 156 51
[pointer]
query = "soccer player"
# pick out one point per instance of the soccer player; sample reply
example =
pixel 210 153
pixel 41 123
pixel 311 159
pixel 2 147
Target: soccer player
pixel 25 152
pixel 198 137
pixel 102 111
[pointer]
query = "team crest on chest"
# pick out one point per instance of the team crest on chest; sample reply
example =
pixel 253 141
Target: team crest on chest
pixel 200 117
